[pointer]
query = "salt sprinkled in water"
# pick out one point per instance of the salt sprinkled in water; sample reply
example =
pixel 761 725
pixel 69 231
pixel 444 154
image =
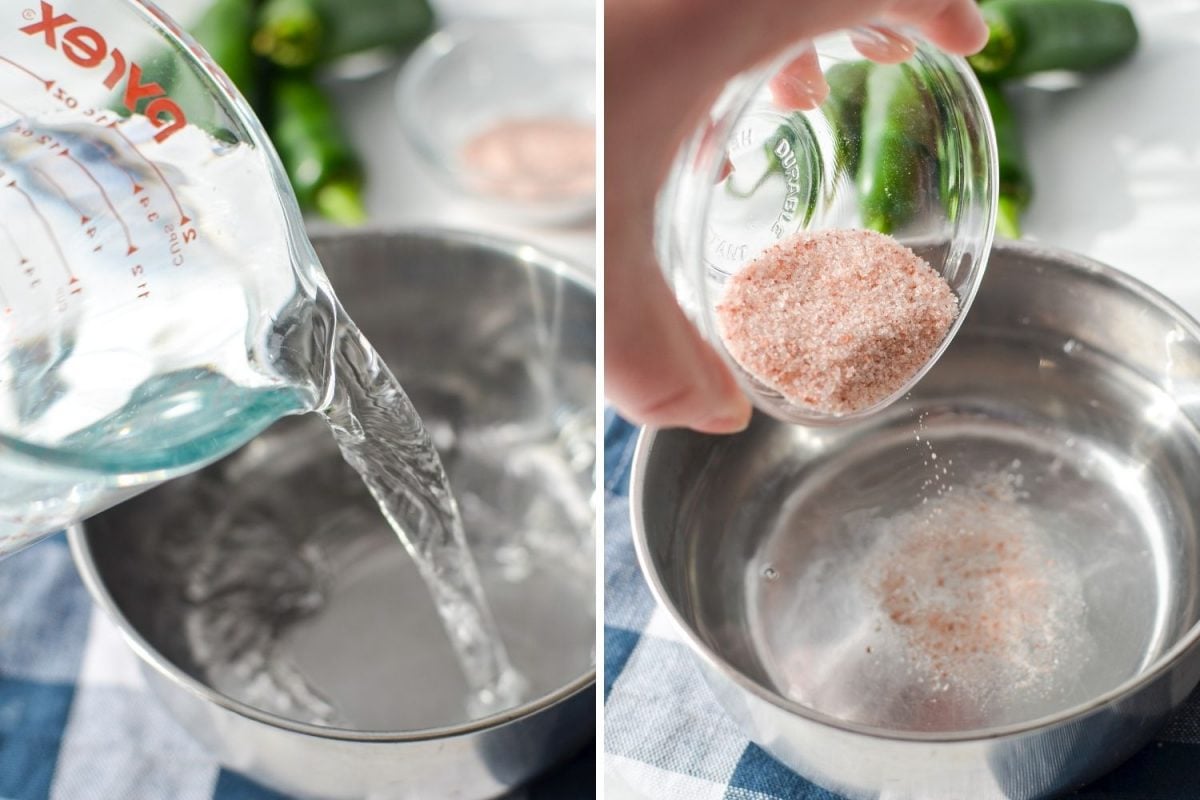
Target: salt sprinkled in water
pixel 966 582
pixel 836 320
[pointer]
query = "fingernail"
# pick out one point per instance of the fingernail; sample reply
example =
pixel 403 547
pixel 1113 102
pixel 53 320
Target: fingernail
pixel 721 425
pixel 734 417
pixel 882 44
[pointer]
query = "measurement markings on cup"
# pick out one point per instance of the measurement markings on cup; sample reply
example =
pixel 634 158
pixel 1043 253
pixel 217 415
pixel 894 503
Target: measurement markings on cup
pixel 184 219
pixel 23 264
pixel 72 281
pixel 131 248
pixel 49 84
pixel 84 219
pixel 16 248
pixel 88 48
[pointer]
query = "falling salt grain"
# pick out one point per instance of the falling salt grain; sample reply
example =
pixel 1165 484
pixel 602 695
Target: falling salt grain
pixel 836 320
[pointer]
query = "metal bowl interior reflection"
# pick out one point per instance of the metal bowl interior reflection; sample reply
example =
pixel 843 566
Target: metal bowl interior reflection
pixel 280 619
pixel 989 590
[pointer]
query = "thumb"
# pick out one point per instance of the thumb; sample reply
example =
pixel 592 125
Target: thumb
pixel 658 370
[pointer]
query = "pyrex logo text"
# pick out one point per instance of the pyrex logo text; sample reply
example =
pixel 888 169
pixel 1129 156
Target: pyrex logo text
pixel 88 48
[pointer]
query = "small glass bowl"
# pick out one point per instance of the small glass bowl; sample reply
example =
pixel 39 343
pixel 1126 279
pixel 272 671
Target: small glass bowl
pixel 727 198
pixel 504 112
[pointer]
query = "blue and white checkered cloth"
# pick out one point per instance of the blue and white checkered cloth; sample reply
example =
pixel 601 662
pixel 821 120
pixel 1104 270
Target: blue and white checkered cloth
pixel 665 737
pixel 78 723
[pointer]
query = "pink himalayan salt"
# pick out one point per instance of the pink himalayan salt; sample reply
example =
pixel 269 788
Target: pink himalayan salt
pixel 836 320
pixel 534 159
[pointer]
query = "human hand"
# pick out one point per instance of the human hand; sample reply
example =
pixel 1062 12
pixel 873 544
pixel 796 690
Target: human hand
pixel 665 63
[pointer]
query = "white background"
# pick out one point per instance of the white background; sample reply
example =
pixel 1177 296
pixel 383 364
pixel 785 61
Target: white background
pixel 1116 159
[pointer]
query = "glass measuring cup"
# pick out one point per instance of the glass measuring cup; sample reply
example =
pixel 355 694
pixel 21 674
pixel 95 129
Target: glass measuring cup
pixel 761 169
pixel 159 302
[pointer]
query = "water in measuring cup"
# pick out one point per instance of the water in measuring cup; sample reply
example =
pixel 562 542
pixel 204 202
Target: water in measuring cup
pixel 132 332
pixel 166 345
